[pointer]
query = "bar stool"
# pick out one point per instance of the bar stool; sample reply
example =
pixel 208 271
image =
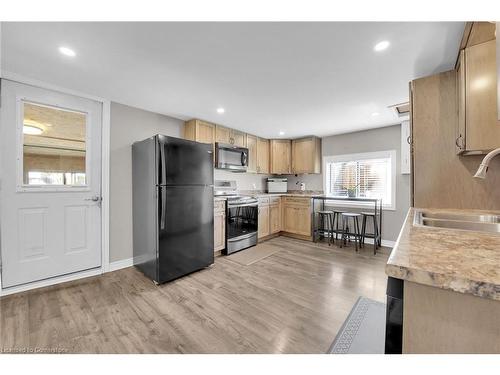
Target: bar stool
pixel 326 217
pixel 375 234
pixel 337 221
pixel 346 234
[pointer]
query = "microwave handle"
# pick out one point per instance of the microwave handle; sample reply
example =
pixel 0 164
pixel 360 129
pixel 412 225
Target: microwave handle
pixel 244 159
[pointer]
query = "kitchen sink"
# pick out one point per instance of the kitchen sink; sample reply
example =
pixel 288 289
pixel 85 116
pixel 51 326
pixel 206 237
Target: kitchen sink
pixel 473 222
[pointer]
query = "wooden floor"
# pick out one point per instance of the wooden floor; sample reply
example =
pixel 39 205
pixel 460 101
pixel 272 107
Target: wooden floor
pixel 294 301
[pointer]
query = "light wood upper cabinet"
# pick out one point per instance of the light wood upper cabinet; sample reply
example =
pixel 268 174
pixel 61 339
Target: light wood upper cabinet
pixel 230 136
pixel 460 133
pixel 306 155
pixel 262 155
pixel 222 134
pixel 238 138
pixel 405 147
pixel 252 153
pixel 478 127
pixel 280 156
pixel 199 131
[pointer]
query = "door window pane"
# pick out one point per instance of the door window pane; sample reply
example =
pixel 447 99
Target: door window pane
pixel 54 147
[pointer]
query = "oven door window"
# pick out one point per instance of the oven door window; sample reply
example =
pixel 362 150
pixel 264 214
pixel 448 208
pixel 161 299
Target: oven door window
pixel 241 221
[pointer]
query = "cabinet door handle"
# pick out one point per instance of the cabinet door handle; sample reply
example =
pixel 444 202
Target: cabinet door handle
pixel 457 141
pixel 408 139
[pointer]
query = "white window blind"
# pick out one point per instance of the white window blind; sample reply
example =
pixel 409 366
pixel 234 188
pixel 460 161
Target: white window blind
pixel 369 175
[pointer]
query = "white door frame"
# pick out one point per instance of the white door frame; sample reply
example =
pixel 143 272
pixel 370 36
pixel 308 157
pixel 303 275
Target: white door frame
pixel 105 151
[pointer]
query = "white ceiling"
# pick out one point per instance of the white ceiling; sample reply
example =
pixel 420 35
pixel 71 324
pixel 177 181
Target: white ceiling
pixel 301 78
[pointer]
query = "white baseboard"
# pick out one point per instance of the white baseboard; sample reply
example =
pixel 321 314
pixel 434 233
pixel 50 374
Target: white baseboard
pixel 114 266
pixel 119 264
pixel 385 243
pixel 51 281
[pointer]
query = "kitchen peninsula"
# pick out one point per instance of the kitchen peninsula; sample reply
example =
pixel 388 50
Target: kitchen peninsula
pixel 451 286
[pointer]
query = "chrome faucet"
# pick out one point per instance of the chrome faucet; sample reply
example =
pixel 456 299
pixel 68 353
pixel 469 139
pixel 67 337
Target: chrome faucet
pixel 483 167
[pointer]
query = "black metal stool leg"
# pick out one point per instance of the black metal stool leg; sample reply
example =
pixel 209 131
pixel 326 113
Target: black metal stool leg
pixel 355 224
pixel 363 230
pixel 330 229
pixel 332 217
pixel 339 216
pixel 344 231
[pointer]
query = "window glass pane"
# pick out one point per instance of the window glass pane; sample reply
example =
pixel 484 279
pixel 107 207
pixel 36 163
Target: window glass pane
pixel 54 148
pixel 370 178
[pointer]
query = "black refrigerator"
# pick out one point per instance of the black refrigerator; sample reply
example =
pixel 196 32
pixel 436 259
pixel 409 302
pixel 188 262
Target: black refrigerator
pixel 173 207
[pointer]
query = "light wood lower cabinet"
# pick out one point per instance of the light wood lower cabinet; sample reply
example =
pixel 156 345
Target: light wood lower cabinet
pixel 269 216
pixel 284 214
pixel 297 216
pixel 219 225
pixel 275 215
pixel 263 221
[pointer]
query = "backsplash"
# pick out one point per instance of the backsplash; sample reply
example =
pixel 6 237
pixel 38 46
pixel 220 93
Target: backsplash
pixel 244 181
pixel 252 182
pixel 313 182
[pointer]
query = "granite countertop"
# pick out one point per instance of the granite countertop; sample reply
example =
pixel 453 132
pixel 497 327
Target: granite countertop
pixel 458 260
pixel 290 193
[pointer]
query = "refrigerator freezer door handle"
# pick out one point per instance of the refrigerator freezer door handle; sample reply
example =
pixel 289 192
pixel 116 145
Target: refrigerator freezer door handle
pixel 163 165
pixel 163 208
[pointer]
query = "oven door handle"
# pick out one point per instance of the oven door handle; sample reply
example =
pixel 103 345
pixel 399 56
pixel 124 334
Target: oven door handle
pixel 239 238
pixel 243 205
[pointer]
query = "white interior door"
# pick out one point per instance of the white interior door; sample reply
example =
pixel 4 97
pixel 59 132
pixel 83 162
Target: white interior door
pixel 50 160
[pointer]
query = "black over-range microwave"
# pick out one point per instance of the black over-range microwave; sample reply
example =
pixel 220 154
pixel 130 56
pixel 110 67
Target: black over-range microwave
pixel 231 157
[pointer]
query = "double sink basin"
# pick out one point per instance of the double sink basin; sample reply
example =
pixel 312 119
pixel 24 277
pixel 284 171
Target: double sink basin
pixel 462 221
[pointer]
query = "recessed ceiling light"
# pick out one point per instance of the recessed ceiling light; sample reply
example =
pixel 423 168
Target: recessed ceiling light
pixel 67 51
pixel 380 46
pixel 375 114
pixel 32 130
pixel 221 110
pixel 282 132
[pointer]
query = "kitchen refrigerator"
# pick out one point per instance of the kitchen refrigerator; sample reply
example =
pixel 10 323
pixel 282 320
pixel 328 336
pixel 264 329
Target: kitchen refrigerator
pixel 173 207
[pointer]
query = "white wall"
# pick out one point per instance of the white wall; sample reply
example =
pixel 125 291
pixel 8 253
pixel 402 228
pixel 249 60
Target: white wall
pixel 129 125
pixel 380 139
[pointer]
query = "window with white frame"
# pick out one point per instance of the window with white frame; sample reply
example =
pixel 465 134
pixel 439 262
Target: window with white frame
pixel 366 175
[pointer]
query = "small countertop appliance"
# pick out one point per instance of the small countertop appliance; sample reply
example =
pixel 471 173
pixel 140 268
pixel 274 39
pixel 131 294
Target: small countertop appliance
pixel 277 185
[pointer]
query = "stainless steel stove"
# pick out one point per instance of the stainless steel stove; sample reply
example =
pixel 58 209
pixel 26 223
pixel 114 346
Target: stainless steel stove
pixel 242 214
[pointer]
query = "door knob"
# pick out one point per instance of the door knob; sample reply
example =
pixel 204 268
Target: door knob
pixel 95 198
